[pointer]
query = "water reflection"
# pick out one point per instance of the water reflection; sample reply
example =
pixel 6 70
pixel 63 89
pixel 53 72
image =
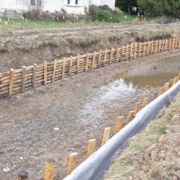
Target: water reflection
pixel 144 78
pixel 153 75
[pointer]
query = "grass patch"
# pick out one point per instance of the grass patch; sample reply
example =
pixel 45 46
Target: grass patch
pixel 20 24
pixel 169 117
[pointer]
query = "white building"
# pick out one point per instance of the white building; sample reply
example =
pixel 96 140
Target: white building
pixel 70 6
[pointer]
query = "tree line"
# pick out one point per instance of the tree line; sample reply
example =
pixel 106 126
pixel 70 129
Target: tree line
pixel 151 8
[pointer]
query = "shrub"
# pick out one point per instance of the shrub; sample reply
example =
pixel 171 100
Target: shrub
pixel 93 12
pixel 105 8
pixel 103 16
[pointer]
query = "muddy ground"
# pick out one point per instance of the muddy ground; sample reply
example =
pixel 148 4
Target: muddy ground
pixel 23 48
pixel 28 121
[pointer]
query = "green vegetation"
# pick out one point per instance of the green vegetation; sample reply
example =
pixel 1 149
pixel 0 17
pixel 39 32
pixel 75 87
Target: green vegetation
pixel 169 117
pixel 106 14
pixel 151 8
pixel 156 8
pixel 20 24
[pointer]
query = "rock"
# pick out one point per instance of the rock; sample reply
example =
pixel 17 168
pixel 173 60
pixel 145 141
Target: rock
pixel 56 129
pixel 6 169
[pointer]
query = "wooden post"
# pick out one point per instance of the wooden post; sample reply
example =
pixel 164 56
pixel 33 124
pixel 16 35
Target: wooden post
pixel 145 102
pixel 172 43
pixel 72 162
pixel 137 108
pixel 78 61
pixel 70 65
pixel 23 82
pixel 87 60
pixel 117 53
pixel 22 175
pixel 167 86
pixel 159 46
pixel 119 124
pixel 54 70
pixel 45 73
pixel 167 45
pixel 171 83
pixel 152 47
pixel 99 60
pixel 106 135
pixel 156 47
pixel 34 76
pixel 94 58
pixel 148 48
pixel 144 49
pixel 11 82
pixel 91 147
pixel 175 80
pixel 153 97
pixel 131 50
pixel 111 56
pixel 163 42
pixel 63 67
pixel 135 51
pixel 120 54
pixel 127 52
pixel 105 52
pixel 160 91
pixel 139 55
pixel 130 117
pixel 49 170
pixel 179 43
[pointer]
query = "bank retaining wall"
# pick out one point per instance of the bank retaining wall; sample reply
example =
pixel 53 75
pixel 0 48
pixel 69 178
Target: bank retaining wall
pixel 20 80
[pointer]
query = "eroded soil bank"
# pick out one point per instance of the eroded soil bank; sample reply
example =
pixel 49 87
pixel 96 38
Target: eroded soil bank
pixel 23 48
pixel 80 107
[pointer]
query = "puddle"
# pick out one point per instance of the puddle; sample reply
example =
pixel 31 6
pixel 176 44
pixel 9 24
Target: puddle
pixel 132 81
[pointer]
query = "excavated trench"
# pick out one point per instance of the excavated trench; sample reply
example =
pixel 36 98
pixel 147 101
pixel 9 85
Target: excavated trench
pixel 55 121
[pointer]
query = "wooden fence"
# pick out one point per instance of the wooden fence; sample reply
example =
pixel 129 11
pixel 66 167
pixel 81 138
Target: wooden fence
pixel 121 121
pixel 17 81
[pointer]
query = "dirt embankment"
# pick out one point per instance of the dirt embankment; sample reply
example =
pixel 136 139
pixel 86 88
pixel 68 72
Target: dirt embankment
pixel 23 48
pixel 157 155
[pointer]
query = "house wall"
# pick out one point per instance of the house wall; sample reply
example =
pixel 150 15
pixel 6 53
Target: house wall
pixel 1 4
pixel 57 5
pixel 72 8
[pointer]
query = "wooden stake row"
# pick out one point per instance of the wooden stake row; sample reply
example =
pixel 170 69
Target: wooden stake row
pixel 16 81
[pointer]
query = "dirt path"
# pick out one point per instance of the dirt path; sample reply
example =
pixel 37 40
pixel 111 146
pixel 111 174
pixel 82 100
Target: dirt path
pixel 28 121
